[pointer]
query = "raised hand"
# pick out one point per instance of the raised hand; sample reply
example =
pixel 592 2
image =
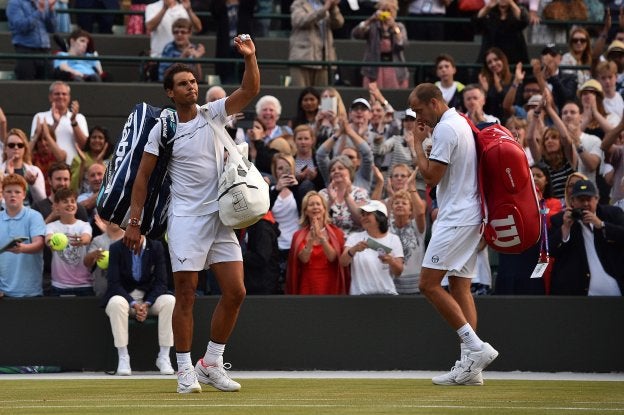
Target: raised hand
pixel 245 48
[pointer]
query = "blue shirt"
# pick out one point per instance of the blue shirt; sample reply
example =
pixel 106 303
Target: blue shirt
pixel 29 27
pixel 83 66
pixel 170 51
pixel 21 274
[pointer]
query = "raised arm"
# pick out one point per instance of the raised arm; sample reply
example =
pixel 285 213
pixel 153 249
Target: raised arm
pixel 250 86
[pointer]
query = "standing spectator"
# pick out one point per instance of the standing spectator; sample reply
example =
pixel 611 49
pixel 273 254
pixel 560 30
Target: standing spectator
pixel 308 105
pixel 613 147
pixel 97 150
pixel 374 254
pixel 606 74
pixel 21 265
pixel 68 69
pixel 587 241
pixel 70 127
pixel 159 18
pixel 595 119
pixel 451 89
pixel 312 39
pixel 45 151
pixel 313 262
pixel 501 24
pixel 136 22
pixel 580 54
pixel 386 40
pixel 495 80
pixel 31 23
pixel 452 250
pixel 546 71
pixel 104 21
pixel 419 30
pixel 326 119
pixel 16 159
pixel 181 47
pixel 137 288
pixel 397 146
pixel 69 274
pixel 232 17
pixel 305 161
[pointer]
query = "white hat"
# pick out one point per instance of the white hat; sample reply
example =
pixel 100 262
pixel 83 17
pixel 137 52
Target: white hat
pixel 410 113
pixel 375 206
pixel 361 101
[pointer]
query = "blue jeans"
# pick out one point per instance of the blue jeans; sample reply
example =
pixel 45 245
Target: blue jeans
pixel 75 292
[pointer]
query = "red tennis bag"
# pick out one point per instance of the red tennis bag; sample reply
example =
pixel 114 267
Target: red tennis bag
pixel 509 200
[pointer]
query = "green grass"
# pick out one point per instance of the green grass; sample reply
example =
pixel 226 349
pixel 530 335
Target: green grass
pixel 311 396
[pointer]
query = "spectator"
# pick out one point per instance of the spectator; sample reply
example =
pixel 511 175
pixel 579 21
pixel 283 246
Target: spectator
pixel 69 274
pixel 514 105
pixel 606 74
pixel 104 21
pixel 261 256
pixel 45 151
pixel 269 109
pixel 21 265
pixel 326 119
pixel 386 40
pixel 397 146
pixel 595 119
pixel 159 17
pixel 181 47
pixel 137 288
pixel 306 168
pixel 587 241
pixel 407 221
pixel 546 72
pixel 474 103
pixel 501 24
pixel 97 150
pixel 495 80
pixel 308 107
pixel 451 89
pixel 68 69
pixel 136 22
pixel 98 246
pixel 613 147
pixel 375 255
pixel 232 17
pixel 259 153
pixel 31 23
pixel 312 39
pixel 580 54
pixel 313 262
pixel 16 159
pixel 88 199
pixel 518 128
pixel 70 127
pixel 426 30
pixel 615 54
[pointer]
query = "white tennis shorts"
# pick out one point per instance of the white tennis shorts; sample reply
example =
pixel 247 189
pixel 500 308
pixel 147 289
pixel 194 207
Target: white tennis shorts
pixel 453 248
pixel 196 242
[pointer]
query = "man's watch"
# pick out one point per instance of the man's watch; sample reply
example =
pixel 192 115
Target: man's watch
pixel 134 222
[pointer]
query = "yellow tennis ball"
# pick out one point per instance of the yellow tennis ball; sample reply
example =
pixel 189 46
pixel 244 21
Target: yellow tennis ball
pixel 58 241
pixel 103 261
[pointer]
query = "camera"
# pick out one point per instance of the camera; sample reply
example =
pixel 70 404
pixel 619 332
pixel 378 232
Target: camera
pixel 383 15
pixel 577 214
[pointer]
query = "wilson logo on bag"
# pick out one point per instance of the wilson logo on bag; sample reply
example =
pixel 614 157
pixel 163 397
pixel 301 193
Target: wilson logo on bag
pixel 509 200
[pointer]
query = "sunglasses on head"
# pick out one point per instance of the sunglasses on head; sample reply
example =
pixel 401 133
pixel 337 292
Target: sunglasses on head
pixel 13 145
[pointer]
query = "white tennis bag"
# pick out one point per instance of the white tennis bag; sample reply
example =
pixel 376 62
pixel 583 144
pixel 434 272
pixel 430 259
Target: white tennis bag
pixel 243 195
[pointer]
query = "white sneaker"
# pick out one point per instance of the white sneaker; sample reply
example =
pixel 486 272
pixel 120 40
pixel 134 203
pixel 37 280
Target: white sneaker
pixel 448 379
pixel 123 367
pixel 187 381
pixel 474 362
pixel 164 365
pixel 216 376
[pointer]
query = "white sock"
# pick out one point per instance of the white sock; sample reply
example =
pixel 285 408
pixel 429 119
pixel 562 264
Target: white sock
pixel 470 338
pixel 184 360
pixel 123 351
pixel 213 352
pixel 164 351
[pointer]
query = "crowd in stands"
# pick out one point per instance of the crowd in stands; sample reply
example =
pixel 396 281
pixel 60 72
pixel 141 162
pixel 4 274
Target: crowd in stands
pixel 350 213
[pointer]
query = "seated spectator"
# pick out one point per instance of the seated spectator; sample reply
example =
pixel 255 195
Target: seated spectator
pixel 313 262
pixel 407 221
pixel 68 69
pixel 308 106
pixel 95 175
pixel 587 240
pixel 305 160
pixel 69 274
pixel 580 54
pixel 70 127
pixel 517 105
pixel 16 159
pixel 518 128
pixel 21 263
pixel 327 120
pixel 159 17
pixel 595 119
pixel 474 103
pixel 45 151
pixel 181 47
pixel 613 147
pixel 344 198
pixel 95 252
pixel 495 80
pixel 606 74
pixel 374 254
pixel 615 54
pixel 386 40
pixel 137 288
pixel 30 24
pixel 103 21
pixel 451 89
pixel 97 150
pixel 397 146
pixel 546 71
pixel 268 110
pixel 261 257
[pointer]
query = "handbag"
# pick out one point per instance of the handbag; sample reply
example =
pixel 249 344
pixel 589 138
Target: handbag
pixel 243 194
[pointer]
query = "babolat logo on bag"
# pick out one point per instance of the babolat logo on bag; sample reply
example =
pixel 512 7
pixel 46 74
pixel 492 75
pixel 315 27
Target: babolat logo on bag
pixel 113 201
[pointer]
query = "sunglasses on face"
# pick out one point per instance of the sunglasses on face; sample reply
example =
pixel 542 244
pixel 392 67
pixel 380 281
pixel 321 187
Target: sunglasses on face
pixel 180 32
pixel 13 145
pixel 579 40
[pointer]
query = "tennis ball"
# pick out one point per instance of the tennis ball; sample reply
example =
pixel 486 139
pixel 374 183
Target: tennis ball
pixel 103 261
pixel 58 241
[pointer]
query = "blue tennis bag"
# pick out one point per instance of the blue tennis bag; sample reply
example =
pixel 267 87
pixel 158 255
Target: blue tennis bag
pixel 113 201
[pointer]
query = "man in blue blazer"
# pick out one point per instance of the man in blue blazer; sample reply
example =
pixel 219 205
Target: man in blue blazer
pixel 137 288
